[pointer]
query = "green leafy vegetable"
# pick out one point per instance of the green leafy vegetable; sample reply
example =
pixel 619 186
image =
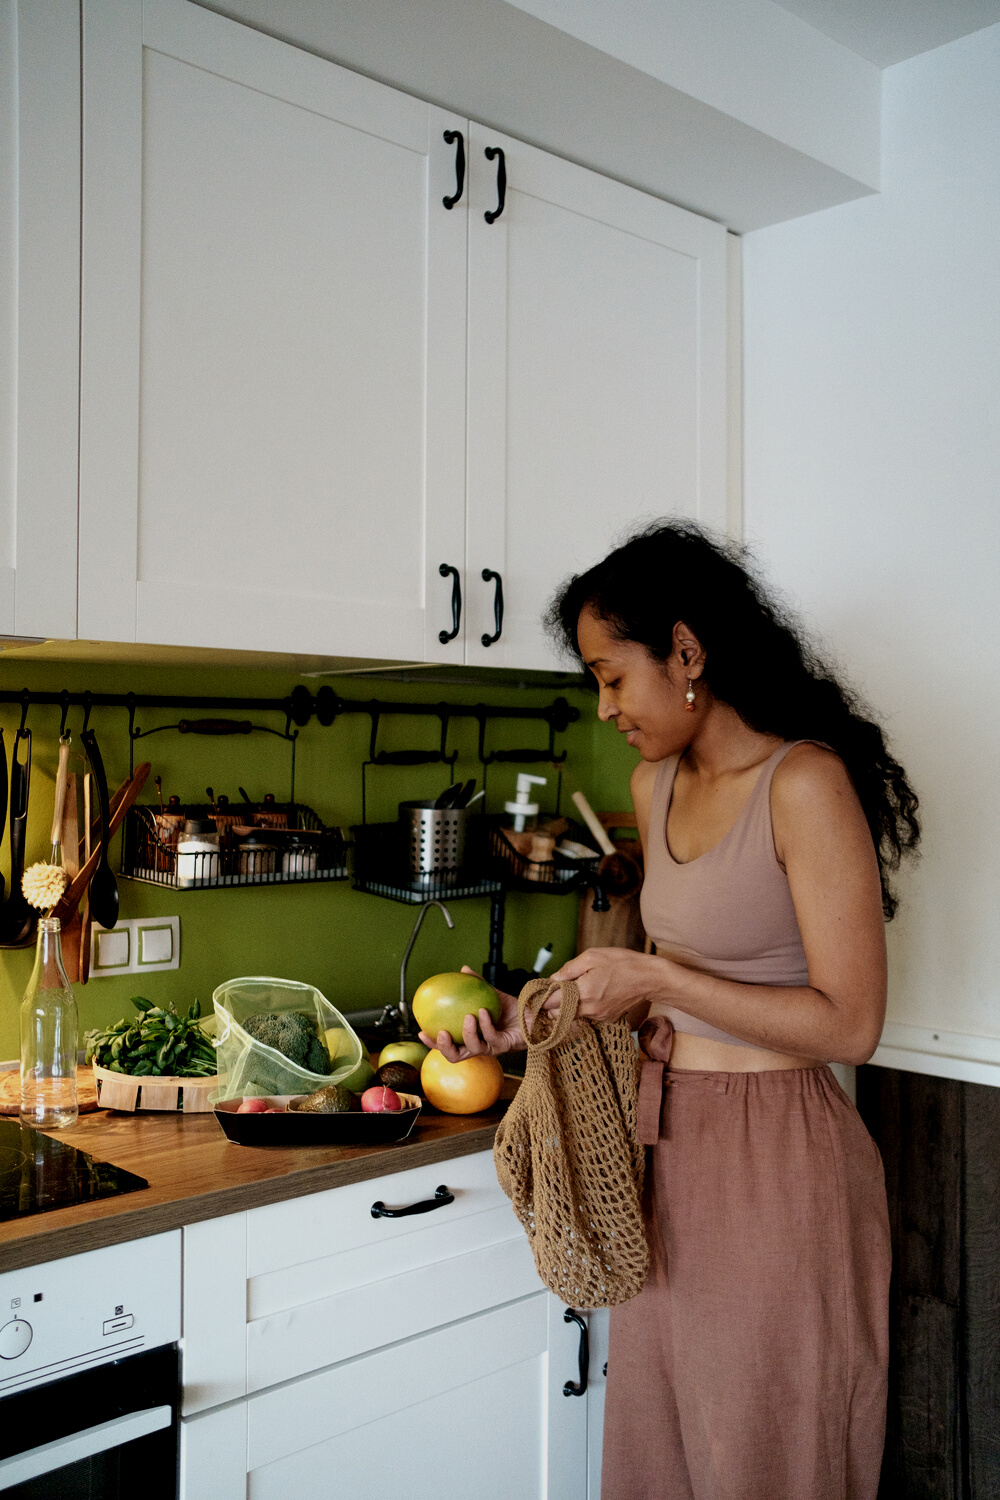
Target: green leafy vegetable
pixel 159 1043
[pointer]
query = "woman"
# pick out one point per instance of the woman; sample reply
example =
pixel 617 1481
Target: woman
pixel 752 1366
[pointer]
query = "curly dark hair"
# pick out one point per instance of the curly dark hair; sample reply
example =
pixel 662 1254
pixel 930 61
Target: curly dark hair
pixel 757 660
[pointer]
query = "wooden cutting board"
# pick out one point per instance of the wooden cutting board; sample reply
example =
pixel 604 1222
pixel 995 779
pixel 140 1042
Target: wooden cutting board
pixel 10 1091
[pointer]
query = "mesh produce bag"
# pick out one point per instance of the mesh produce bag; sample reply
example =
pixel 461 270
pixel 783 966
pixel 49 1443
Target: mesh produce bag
pixel 566 1152
pixel 248 1066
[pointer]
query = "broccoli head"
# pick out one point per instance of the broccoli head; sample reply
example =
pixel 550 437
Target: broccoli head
pixel 293 1035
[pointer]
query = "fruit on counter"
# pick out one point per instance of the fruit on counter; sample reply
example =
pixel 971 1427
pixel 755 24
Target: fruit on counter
pixel 409 1052
pixel 293 1034
pixel 334 1099
pixel 157 1043
pixel 360 1077
pixel 380 1100
pixel 443 1002
pixel 339 1042
pixel 462 1088
pixel 254 1107
pixel 401 1076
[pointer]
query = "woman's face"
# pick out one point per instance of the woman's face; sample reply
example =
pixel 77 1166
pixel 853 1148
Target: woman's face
pixel 644 698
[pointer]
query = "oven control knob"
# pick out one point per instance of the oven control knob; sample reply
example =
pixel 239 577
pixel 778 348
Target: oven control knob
pixel 14 1338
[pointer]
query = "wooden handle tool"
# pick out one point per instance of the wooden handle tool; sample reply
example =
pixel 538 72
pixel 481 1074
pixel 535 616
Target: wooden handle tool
pixel 55 838
pixel 120 804
pixel 594 823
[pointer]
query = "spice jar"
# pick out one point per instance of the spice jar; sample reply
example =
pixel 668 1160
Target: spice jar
pixel 198 852
pixel 301 856
pixel 257 856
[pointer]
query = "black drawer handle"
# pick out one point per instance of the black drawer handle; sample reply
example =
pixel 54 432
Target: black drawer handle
pixel 444 636
pixel 455 138
pixel 490 577
pixel 426 1206
pixel 491 152
pixel 578 1387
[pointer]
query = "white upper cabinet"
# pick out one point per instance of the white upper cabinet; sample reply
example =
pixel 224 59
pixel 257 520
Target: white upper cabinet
pixel 597 380
pixel 316 402
pixel 39 315
pixel 273 346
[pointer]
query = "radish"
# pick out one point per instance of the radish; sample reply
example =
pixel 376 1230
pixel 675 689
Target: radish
pixel 253 1107
pixel 380 1100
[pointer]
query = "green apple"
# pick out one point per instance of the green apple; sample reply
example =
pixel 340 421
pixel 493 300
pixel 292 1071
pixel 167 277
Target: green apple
pixel 443 1002
pixel 360 1077
pixel 408 1052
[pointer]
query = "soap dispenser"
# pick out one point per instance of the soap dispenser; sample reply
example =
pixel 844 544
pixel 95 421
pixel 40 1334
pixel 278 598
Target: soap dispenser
pixel 525 811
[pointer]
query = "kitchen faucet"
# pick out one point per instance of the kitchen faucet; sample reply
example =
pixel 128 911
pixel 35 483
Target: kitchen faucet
pixel 406 1019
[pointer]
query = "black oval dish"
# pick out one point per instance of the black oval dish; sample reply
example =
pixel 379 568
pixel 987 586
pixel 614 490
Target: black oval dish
pixel 293 1128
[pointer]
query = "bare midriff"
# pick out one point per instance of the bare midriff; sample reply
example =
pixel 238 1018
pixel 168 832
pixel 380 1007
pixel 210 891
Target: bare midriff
pixel 699 1054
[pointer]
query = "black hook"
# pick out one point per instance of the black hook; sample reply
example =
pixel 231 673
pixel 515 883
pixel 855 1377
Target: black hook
pixel 64 705
pixel 25 702
pixel 88 703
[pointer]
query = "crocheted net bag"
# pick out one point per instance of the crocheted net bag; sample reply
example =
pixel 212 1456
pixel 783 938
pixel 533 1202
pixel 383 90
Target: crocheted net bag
pixel 566 1152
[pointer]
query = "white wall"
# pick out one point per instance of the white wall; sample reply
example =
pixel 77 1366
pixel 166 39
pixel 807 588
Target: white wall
pixel 872 452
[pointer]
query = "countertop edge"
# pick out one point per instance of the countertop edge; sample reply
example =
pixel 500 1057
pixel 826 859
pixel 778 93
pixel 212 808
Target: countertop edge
pixel 55 1243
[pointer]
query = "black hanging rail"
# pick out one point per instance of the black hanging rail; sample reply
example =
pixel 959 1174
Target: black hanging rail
pixel 299 707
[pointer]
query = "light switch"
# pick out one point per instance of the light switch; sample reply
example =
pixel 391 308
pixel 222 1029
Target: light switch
pixel 113 949
pixel 156 945
pixel 137 945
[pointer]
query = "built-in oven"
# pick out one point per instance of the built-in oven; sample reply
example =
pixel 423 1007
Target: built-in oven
pixel 109 1433
pixel 90 1375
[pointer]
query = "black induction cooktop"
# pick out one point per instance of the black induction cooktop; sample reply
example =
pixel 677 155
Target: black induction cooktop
pixel 39 1172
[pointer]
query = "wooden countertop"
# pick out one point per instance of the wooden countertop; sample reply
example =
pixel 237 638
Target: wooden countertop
pixel 195 1173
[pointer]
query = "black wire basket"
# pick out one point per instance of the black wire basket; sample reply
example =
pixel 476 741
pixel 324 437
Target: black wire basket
pixel 254 849
pixel 382 866
pixel 519 872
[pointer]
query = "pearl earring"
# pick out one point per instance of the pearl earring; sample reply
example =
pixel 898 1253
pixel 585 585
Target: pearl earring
pixel 689 698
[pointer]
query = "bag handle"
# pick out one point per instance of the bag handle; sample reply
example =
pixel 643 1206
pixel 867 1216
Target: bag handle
pixel 541 989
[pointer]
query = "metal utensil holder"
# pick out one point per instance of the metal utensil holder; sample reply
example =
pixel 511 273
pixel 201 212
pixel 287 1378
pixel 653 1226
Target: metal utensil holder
pixel 436 837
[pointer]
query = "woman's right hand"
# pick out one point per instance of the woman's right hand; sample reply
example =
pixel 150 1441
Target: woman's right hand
pixel 482 1038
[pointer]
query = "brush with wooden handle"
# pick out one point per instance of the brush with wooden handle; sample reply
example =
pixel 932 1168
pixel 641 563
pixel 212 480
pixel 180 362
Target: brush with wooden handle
pixel 55 838
pixel 620 873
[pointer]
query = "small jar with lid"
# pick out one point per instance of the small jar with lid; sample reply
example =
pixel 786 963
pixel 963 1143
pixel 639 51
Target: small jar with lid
pixel 301 856
pixel 198 852
pixel 258 857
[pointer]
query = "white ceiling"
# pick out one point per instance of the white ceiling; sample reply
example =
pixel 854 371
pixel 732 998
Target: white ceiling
pixel 888 31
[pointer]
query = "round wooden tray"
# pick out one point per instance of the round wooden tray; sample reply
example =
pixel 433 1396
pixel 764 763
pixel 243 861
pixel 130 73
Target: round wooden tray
pixel 125 1092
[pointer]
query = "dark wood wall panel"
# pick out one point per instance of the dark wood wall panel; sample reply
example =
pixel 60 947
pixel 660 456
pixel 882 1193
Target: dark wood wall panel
pixel 940 1143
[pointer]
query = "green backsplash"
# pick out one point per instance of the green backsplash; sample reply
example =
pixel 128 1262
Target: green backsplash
pixel 348 944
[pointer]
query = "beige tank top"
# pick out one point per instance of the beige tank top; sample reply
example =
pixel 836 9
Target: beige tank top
pixel 729 912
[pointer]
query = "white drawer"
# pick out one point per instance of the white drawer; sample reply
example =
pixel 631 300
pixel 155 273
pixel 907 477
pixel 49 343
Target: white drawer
pixel 324 1224
pixel 317 1333
pixel 395 1422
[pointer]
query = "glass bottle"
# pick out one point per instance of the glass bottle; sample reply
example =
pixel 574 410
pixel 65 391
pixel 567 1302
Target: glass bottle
pixel 49 1037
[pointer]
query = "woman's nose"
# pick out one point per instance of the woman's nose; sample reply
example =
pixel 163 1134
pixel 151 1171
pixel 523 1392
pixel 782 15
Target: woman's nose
pixel 606 709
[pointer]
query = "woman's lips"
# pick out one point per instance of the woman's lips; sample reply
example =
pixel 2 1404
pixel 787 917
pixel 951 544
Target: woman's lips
pixel 632 736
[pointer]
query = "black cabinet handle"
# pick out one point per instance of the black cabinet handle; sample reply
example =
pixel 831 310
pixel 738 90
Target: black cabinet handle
pixel 444 636
pixel 491 152
pixel 455 138
pixel 578 1387
pixel 441 1197
pixel 490 577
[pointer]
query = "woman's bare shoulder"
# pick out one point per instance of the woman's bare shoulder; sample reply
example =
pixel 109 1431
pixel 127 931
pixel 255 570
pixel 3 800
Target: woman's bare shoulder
pixel 812 788
pixel 642 781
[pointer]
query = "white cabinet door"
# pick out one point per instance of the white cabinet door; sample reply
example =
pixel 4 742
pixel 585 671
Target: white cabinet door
pixel 39 315
pixel 273 327
pixel 596 1387
pixel 597 380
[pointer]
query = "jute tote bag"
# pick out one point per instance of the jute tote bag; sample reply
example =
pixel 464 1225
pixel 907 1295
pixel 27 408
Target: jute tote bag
pixel 566 1153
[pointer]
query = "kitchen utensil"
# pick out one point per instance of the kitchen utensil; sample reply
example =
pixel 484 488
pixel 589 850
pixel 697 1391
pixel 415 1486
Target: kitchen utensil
pixel 86 921
pixel 17 919
pixel 3 798
pixel 297 1128
pixel 436 836
pixel 465 795
pixel 447 797
pixel 103 885
pixel 55 837
pixel 120 804
pixel 475 798
pixel 619 872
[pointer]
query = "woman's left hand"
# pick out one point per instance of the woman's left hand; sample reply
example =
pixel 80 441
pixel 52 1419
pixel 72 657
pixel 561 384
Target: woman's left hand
pixel 614 980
